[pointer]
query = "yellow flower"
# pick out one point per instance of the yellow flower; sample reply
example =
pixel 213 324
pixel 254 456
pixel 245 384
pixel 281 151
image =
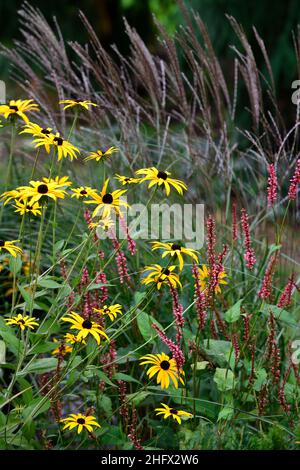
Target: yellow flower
pixel 174 249
pixel 112 310
pixel 64 148
pixel 82 191
pixel 126 179
pixel 38 189
pixel 9 195
pixel 161 178
pixel 85 327
pixel 72 339
pixel 35 130
pixel 160 275
pixel 164 367
pixel 22 321
pixel 75 103
pixel 10 247
pixel 204 275
pixel 101 154
pixel 62 349
pixel 107 202
pixel 18 108
pixel 80 421
pixel 23 208
pixel 166 411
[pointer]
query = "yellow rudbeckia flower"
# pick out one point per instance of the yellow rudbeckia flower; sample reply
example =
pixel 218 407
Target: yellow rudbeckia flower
pixel 164 367
pixel 80 422
pixel 18 108
pixel 167 411
pixel 175 249
pixel 161 178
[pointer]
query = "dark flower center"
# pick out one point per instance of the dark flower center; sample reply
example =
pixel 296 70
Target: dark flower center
pixel 77 101
pixel 42 189
pixel 29 208
pixel 173 411
pixel 83 192
pixel 87 324
pixel 14 108
pixel 165 271
pixel 162 174
pixel 2 243
pixel 21 321
pixel 175 247
pixel 165 365
pixel 127 180
pixel 106 310
pixel 80 421
pixel 45 131
pixel 107 198
pixel 58 140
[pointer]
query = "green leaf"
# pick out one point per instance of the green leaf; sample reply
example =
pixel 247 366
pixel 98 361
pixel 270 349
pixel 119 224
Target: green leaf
pixel 225 413
pixel 280 314
pixel 2 352
pixel 9 336
pixel 39 366
pixel 137 397
pixel 200 365
pixel 144 322
pixel 234 313
pixel 48 283
pixel 219 351
pixel 261 377
pixel 224 378
pixel 37 406
pixel 15 264
pixel 125 377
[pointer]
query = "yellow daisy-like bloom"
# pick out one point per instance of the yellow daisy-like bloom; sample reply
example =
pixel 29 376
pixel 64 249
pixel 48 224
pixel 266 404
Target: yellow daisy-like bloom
pixel 112 310
pixel 164 367
pixel 73 339
pixel 82 191
pixel 35 130
pixel 25 208
pixel 160 275
pixel 18 108
pixel 62 349
pixel 204 275
pixel 10 247
pixel 80 421
pixel 166 411
pixel 75 103
pixel 107 202
pixel 38 189
pixel 174 249
pixel 161 178
pixel 126 179
pixel 22 321
pixel 85 327
pixel 101 154
pixel 9 195
pixel 64 148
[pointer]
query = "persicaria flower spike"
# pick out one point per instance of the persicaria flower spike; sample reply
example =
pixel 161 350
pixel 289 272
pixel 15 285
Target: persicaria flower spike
pixel 272 185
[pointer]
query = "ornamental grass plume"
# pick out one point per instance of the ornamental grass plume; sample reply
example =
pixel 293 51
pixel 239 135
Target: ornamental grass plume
pixel 272 185
pixel 249 252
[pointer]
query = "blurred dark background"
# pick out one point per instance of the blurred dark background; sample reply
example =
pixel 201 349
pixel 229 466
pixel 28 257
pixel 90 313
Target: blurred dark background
pixel 274 20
